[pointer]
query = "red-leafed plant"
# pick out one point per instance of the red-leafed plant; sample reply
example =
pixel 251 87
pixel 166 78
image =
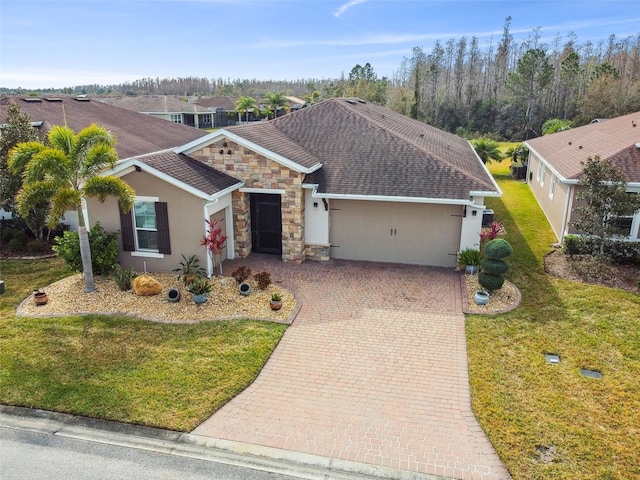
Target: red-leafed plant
pixel 215 241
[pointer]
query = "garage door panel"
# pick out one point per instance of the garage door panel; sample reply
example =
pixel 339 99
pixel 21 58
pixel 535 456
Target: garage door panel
pixel 424 234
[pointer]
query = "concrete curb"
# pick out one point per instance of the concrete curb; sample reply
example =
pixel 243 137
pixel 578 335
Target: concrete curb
pixel 227 452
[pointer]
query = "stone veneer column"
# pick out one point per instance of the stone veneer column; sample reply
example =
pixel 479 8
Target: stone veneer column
pixel 241 223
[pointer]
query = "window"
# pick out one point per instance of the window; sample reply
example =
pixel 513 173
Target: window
pixel 176 118
pixel 542 172
pixel 206 119
pixel 539 171
pixel 145 229
pixel 145 225
pixel 552 186
pixel 622 225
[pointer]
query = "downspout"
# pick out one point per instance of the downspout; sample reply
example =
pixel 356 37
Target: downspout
pixel 206 216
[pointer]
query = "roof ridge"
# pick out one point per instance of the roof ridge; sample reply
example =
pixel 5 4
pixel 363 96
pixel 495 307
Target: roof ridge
pixel 419 147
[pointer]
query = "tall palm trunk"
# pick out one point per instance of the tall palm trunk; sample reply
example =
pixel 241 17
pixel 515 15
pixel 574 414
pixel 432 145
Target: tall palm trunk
pixel 85 254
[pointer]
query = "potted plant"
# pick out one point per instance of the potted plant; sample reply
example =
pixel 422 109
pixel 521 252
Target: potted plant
pixel 214 241
pixel 200 287
pixel 189 269
pixel 276 301
pixel 470 259
pixel 40 297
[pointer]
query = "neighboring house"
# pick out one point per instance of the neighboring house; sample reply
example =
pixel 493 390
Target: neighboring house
pixel 170 108
pixel 339 179
pixel 555 167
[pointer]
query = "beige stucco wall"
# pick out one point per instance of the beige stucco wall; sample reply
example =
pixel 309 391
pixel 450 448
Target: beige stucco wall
pixel 186 222
pixel 258 172
pixel 553 208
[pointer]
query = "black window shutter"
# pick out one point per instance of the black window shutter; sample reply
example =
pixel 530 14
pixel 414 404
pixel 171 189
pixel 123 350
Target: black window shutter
pixel 126 227
pixel 162 224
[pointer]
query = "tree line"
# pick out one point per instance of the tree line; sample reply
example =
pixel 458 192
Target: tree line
pixel 506 89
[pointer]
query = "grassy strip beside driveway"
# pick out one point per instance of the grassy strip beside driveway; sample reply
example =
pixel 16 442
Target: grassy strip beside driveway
pixel 119 368
pixel 548 421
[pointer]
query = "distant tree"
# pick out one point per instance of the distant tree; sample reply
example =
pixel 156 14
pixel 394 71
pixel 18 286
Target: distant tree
pixel 246 105
pixel 275 101
pixel 17 129
pixel 554 125
pixel 65 173
pixel 518 154
pixel 531 76
pixel 487 150
pixel 605 201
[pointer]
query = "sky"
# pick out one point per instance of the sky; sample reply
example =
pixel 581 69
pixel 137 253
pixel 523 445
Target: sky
pixel 59 43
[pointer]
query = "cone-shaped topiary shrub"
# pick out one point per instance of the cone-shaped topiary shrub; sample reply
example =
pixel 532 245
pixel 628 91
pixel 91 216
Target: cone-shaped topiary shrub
pixel 493 267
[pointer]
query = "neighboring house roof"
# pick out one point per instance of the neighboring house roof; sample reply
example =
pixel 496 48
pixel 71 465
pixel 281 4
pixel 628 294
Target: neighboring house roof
pixel 182 171
pixel 166 104
pixel 615 139
pixel 227 103
pixel 136 133
pixel 368 150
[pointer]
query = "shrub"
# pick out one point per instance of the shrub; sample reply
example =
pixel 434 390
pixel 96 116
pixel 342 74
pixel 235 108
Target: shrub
pixel 241 273
pixel 619 252
pixel 8 233
pixel 104 249
pixel 263 279
pixel 15 244
pixel 491 278
pixel 490 282
pixel 190 269
pixel 497 248
pixel 469 256
pixel 37 246
pixel 495 266
pixel 123 277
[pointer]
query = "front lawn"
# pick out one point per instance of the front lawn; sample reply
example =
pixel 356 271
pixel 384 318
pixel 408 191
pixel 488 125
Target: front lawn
pixel 119 368
pixel 548 421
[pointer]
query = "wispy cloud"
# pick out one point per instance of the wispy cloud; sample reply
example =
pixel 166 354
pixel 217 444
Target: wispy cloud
pixel 347 6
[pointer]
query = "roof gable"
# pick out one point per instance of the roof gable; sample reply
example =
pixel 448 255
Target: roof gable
pixel 614 139
pixel 181 171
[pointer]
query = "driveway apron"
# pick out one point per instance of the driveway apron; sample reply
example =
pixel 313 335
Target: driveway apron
pixel 372 370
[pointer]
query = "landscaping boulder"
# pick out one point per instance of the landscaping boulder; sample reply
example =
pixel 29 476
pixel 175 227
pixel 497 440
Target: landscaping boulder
pixel 146 286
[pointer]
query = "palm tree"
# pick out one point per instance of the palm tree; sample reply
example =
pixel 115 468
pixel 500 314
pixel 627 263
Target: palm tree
pixel 487 150
pixel 245 105
pixel 275 101
pixel 65 172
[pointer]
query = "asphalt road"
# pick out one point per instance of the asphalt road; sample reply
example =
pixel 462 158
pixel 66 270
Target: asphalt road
pixel 28 455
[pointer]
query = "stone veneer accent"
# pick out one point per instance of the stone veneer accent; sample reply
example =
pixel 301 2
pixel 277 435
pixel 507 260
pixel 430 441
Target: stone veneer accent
pixel 317 252
pixel 256 171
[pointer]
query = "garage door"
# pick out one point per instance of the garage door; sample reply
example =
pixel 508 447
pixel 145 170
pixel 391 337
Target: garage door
pixel 415 233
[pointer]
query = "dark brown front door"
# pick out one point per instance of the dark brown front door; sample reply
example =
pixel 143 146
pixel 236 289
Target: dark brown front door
pixel 266 223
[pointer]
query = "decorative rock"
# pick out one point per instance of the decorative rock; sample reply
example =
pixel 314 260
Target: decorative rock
pixel 146 286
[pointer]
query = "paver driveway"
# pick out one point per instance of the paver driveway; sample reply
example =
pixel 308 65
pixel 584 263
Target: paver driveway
pixel 372 370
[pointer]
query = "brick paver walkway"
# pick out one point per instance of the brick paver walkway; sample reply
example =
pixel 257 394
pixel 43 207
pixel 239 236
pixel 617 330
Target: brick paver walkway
pixel 372 370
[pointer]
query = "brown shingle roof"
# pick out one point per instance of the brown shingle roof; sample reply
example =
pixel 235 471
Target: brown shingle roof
pixel 612 139
pixel 136 133
pixel 370 150
pixel 155 104
pixel 190 171
pixel 228 103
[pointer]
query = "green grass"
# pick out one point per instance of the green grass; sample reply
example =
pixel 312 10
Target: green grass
pixel 119 368
pixel 524 403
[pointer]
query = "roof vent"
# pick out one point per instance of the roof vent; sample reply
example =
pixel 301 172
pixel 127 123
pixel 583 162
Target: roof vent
pixel 32 100
pixel 351 102
pixel 53 99
pixel 638 145
pixel 83 99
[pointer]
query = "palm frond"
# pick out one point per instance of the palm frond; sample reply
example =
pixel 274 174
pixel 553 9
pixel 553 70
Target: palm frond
pixel 49 163
pixel 98 157
pixel 34 194
pixel 21 155
pixel 62 138
pixel 63 200
pixel 110 186
pixel 90 137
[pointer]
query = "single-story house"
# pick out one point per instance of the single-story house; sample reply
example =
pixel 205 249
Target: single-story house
pixel 136 134
pixel 171 108
pixel 555 167
pixel 339 179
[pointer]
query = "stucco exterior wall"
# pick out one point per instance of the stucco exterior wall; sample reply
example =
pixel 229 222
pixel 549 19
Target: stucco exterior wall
pixel 260 173
pixel 553 207
pixel 186 223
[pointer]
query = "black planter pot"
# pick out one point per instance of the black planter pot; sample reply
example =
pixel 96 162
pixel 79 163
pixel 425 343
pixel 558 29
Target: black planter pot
pixel 173 295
